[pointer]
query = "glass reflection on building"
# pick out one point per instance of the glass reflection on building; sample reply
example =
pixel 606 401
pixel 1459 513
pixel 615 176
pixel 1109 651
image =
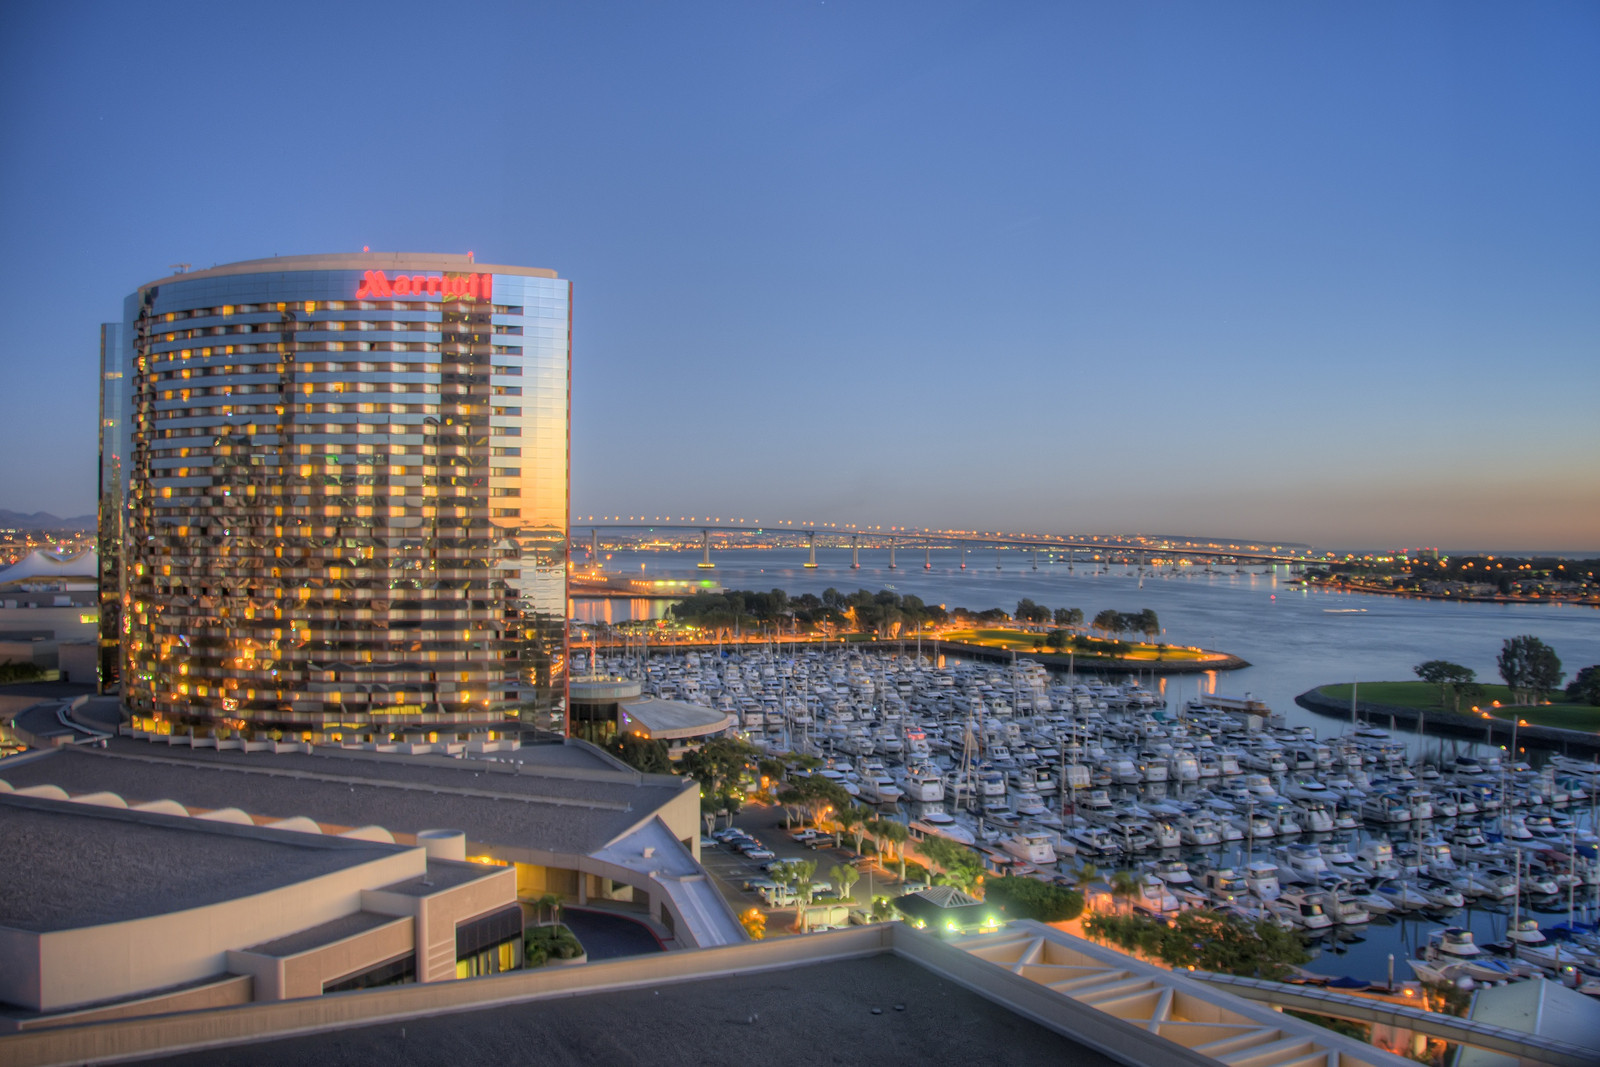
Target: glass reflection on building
pixel 334 497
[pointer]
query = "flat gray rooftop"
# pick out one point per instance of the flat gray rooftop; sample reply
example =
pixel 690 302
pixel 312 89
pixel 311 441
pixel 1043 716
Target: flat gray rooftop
pixel 325 934
pixel 564 803
pixel 71 865
pixel 815 1014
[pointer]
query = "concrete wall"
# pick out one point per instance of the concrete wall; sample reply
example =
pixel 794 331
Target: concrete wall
pixel 225 992
pixel 305 973
pixel 120 960
pixel 437 915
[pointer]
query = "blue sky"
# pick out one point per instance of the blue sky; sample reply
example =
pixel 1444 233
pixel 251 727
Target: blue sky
pixel 1322 272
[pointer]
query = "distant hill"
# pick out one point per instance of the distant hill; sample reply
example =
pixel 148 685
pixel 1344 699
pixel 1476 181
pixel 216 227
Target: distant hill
pixel 43 520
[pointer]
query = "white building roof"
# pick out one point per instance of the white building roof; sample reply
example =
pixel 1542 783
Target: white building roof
pixel 670 720
pixel 1536 1006
pixel 42 563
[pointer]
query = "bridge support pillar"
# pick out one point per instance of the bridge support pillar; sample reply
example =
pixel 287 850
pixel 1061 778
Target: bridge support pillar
pixel 855 554
pixel 996 557
pixel 594 548
pixel 927 557
pixel 1036 559
pixel 1071 556
pixel 811 543
pixel 963 557
pixel 705 550
pixel 891 553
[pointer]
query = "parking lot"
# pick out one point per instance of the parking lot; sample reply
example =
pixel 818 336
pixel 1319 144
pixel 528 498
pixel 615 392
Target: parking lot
pixel 731 869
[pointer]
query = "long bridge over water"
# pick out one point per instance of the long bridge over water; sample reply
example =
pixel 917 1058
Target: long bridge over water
pixel 1143 551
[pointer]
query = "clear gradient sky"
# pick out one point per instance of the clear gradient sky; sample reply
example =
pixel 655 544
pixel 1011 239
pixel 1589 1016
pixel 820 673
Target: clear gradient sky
pixel 1323 272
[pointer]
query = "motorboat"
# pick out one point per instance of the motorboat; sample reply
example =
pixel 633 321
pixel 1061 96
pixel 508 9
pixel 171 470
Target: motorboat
pixel 1261 877
pixel 1030 848
pixel 1303 910
pixel 1173 872
pixel 1454 941
pixel 1154 895
pixel 1028 804
pixel 940 824
pixel 880 789
pixel 1375 859
pixel 1094 839
pixel 1403 895
pixel 923 783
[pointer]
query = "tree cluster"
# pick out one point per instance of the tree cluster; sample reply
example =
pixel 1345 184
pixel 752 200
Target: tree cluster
pixel 1205 940
pixel 642 754
pixel 1456 683
pixel 1585 686
pixel 1530 668
pixel 814 795
pixel 1030 898
pixel 1111 623
pixel 885 612
pixel 958 865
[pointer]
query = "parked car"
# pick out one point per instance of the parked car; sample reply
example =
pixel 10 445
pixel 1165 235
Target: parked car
pixel 758 885
pixel 760 854
pixel 821 841
pixel 778 897
pixel 803 836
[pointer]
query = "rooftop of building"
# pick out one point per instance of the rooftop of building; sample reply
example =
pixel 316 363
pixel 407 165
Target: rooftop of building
pixel 73 865
pixel 324 934
pixel 820 1013
pixel 555 798
pixel 667 720
pixel 385 261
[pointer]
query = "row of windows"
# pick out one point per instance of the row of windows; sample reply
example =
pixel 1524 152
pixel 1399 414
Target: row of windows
pixel 368 346
pixel 333 326
pixel 329 408
pixel 169 369
pixel 365 448
pixel 368 469
pixel 311 307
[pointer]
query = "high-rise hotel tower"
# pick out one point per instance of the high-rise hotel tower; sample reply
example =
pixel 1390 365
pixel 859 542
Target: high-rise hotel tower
pixel 334 498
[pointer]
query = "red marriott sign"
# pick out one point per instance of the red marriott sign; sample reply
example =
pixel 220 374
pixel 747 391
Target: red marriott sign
pixel 377 285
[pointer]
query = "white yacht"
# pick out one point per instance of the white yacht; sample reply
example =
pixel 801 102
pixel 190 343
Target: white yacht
pixel 1030 848
pixel 880 789
pixel 1173 872
pixel 940 824
pixel 923 783
pixel 1302 910
pixel 1262 879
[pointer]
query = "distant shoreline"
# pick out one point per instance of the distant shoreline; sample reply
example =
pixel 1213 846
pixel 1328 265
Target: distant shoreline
pixel 1471 598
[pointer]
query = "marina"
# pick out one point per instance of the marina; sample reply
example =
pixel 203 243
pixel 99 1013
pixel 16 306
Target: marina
pixel 1347 835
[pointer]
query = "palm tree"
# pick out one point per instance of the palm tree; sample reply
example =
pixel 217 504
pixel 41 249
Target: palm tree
pixel 845 877
pixel 550 902
pixel 896 835
pixel 850 819
pixel 1123 886
pixel 804 871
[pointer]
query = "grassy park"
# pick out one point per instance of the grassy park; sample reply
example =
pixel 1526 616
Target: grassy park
pixel 1425 695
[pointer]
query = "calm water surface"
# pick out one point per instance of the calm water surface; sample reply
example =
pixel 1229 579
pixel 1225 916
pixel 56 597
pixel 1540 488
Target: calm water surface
pixel 1293 638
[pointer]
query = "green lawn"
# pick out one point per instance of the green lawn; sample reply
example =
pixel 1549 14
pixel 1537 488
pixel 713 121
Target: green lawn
pixel 1023 641
pixel 1426 696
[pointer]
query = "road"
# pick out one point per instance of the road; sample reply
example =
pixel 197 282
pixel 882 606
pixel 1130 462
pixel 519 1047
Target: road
pixel 729 868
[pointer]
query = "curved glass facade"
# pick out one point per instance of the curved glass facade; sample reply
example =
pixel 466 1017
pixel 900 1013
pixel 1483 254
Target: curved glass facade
pixel 340 495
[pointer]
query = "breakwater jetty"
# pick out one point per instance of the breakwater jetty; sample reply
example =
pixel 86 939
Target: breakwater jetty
pixel 1494 731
